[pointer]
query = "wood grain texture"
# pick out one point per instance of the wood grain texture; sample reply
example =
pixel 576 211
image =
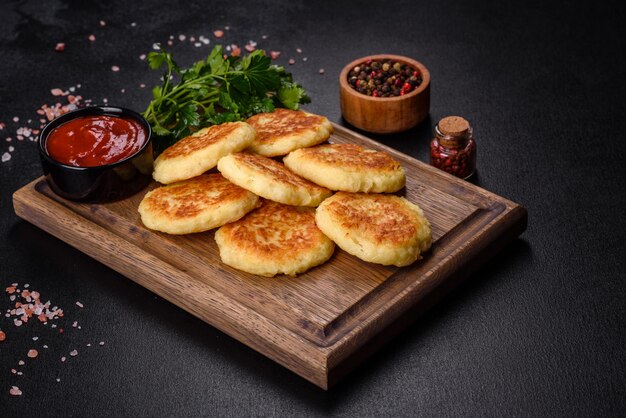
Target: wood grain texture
pixel 320 323
pixel 401 112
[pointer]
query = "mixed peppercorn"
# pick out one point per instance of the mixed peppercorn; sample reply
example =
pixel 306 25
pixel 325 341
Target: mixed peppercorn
pixel 384 78
pixel 453 149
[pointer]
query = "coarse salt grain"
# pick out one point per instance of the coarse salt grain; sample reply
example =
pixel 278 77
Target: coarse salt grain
pixel 103 23
pixel 321 71
pixel 15 391
pixel 291 61
pixel 35 338
pixel 101 342
pixel 45 346
pixel 299 51
pixel 305 59
pixel 16 119
pixel 80 305
pixel 133 24
pixel 274 54
pixel 11 149
pixel 32 353
pixel 74 353
pixel 63 359
pixel 21 363
pixel 92 38
pixel 181 37
pixel 142 57
pixel 58 380
pixel 6 157
pixel 115 68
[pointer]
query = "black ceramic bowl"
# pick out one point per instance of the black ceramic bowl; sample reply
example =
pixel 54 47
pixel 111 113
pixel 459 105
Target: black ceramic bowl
pixel 102 183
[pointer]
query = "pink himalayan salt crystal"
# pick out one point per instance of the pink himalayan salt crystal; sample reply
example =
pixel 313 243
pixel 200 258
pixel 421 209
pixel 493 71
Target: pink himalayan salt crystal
pixel 15 391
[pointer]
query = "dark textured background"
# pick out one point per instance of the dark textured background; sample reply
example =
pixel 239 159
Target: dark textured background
pixel 540 330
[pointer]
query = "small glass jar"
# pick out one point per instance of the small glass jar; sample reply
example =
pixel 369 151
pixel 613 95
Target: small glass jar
pixel 453 148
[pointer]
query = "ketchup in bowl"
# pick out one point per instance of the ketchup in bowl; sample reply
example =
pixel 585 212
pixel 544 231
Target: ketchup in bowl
pixel 95 140
pixel 97 154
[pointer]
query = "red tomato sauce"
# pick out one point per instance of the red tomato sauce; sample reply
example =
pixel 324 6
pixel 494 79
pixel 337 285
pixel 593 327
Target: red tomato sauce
pixel 92 141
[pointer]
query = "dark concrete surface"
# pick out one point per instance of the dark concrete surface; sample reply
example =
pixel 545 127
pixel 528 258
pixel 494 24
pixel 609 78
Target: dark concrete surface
pixel 538 331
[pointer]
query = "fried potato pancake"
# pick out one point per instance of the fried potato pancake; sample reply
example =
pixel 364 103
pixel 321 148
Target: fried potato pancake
pixel 378 228
pixel 195 205
pixel 283 130
pixel 270 179
pixel 274 239
pixel 199 152
pixel 348 167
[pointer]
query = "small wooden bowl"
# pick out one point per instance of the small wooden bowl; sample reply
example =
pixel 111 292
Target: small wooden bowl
pixel 385 115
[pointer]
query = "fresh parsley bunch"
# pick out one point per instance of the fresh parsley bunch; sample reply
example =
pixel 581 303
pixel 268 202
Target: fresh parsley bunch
pixel 216 90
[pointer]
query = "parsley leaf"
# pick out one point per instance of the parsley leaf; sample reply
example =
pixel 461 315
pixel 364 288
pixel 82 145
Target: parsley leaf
pixel 215 90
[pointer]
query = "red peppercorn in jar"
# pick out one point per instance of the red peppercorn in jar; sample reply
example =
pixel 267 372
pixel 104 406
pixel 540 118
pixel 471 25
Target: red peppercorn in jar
pixel 453 148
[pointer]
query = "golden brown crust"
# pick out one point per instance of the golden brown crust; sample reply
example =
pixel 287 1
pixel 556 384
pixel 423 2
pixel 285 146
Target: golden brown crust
pixel 351 157
pixel 192 143
pixel 283 130
pixel 187 198
pixel 384 229
pixel 384 220
pixel 274 239
pixel 348 167
pixel 200 152
pixel 271 180
pixel 275 230
pixel 195 205
pixel 281 122
pixel 278 172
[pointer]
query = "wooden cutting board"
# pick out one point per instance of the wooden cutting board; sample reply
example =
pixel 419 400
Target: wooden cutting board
pixel 320 324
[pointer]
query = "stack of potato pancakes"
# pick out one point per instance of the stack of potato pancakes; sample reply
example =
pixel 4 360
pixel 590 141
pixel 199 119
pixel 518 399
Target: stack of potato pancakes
pixel 283 218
